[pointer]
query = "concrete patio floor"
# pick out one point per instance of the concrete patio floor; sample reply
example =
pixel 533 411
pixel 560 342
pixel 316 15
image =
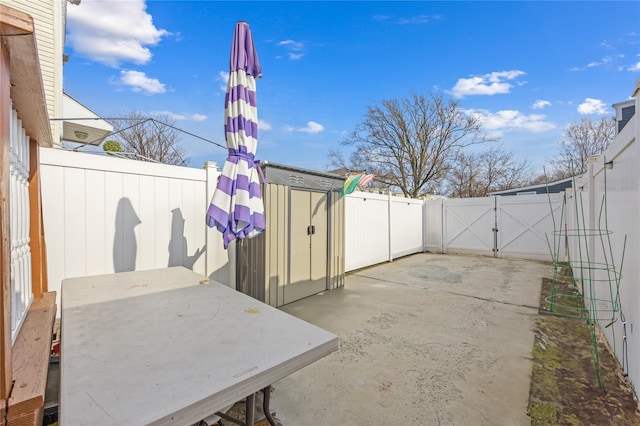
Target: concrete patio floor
pixel 428 339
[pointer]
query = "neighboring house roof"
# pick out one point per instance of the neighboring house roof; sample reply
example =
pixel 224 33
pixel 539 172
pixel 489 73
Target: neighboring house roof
pixel 544 188
pixel 81 125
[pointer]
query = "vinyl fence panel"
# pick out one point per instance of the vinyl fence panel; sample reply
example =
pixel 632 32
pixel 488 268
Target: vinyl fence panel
pixel 407 236
pixel 105 215
pixel 526 224
pixel 433 222
pixel 468 226
pixel 367 229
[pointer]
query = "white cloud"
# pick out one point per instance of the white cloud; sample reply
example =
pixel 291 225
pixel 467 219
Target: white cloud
pixel 295 49
pixel 592 106
pixel 381 18
pixel 139 82
pixel 417 19
pixel 606 45
pixel 512 120
pixel 489 84
pixel 635 67
pixel 111 32
pixel 540 103
pixel 180 117
pixel 293 45
pixel 601 62
pixel 263 125
pixel 223 76
pixel 311 127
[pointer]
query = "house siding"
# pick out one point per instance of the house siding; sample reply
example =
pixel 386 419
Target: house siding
pixel 48 20
pixel 627 113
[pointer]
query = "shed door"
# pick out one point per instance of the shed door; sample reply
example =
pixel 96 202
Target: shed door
pixel 308 244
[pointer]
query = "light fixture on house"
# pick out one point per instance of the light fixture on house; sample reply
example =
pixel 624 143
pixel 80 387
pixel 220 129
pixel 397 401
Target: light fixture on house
pixel 81 135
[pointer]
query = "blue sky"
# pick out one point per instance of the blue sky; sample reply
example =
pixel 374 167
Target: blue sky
pixel 527 68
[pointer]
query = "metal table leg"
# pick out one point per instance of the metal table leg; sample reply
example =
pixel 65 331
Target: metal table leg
pixel 266 397
pixel 249 410
pixel 249 417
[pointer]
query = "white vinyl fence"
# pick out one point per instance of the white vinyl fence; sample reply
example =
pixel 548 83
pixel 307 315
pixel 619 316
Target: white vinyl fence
pixel 105 215
pixel 405 238
pixel 607 202
pixel 381 228
pixel 21 290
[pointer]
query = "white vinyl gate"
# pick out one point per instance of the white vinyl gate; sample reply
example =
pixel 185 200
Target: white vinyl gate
pixel 468 225
pixel 516 226
pixel 525 224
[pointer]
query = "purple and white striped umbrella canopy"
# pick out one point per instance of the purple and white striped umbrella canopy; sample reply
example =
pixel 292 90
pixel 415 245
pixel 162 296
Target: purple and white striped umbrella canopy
pixel 237 209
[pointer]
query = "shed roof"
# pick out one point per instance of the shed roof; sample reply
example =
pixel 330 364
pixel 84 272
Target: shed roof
pixel 301 178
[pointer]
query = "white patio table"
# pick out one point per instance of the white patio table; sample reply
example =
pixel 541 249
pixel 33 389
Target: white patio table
pixel 168 346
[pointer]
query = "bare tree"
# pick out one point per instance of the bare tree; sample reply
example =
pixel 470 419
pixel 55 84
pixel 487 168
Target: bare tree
pixel 464 177
pixel 410 143
pixel 478 174
pixel 149 138
pixel 580 140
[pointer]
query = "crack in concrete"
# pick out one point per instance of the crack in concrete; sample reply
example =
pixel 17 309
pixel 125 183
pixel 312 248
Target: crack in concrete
pixel 486 299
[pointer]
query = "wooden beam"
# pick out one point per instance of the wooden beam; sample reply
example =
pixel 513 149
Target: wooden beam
pixel 15 22
pixel 36 231
pixel 31 355
pixel 5 237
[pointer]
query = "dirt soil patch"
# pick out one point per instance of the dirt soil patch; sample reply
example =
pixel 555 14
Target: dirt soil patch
pixel 564 385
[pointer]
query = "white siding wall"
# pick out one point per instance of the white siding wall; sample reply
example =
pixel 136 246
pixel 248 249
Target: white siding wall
pixel 48 19
pixel 105 214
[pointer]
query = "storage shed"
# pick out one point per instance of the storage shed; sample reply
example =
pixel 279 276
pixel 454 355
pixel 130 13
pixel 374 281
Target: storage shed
pixel 301 252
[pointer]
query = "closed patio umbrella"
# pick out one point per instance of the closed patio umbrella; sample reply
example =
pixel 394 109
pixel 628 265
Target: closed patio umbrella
pixel 237 209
